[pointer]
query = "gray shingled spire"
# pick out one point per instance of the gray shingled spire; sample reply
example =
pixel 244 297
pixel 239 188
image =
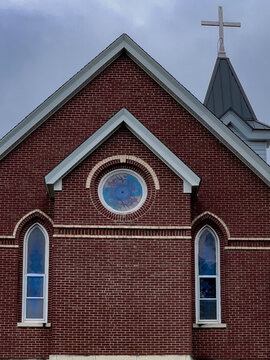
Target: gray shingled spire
pixel 226 93
pixel 226 98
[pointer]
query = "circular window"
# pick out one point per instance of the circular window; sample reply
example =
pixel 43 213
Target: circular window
pixel 122 191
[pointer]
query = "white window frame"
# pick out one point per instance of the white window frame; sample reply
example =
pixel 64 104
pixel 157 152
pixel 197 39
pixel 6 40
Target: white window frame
pixel 115 172
pixel 45 276
pixel 198 276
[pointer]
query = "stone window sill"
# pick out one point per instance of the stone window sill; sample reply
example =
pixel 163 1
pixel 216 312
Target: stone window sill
pixel 209 326
pixel 34 324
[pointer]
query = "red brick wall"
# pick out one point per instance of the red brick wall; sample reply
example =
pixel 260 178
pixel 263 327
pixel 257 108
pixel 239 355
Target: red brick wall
pixel 16 342
pixel 123 296
pixel 139 284
pixel 245 310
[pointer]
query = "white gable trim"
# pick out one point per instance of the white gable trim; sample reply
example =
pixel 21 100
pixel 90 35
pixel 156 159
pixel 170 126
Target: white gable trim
pixel 162 77
pixel 53 180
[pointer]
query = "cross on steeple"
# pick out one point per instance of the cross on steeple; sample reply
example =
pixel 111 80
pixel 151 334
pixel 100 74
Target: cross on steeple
pixel 220 23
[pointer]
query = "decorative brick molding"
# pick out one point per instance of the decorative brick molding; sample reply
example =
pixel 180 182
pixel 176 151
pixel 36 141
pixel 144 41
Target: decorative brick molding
pixel 8 246
pixel 123 159
pixel 248 243
pixel 7 241
pixel 120 233
pixel 28 216
pixel 213 217
pixel 248 239
pixel 247 248
pixel 120 357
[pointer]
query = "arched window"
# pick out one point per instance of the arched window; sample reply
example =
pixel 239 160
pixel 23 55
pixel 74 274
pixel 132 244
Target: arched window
pixel 207 276
pixel 35 275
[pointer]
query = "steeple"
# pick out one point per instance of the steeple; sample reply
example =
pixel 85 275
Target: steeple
pixel 225 93
pixel 227 100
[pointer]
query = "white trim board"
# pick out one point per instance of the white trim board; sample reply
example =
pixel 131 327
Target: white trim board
pixel 53 180
pixel 247 132
pixel 125 44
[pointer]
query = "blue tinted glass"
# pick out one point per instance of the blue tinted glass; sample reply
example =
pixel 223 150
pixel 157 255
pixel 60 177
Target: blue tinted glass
pixel 34 309
pixel 208 288
pixel 34 286
pixel 122 191
pixel 36 252
pixel 208 310
pixel 207 254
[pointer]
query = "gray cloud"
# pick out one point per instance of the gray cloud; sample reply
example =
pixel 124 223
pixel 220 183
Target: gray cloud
pixel 43 43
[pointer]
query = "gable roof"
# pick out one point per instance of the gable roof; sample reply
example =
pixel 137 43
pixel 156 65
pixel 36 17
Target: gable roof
pixel 125 44
pixel 225 93
pixel 53 180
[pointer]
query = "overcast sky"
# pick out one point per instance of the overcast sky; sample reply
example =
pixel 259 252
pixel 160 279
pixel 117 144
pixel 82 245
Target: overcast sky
pixel 44 42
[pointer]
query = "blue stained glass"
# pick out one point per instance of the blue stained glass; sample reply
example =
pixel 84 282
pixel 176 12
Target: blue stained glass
pixel 122 191
pixel 208 288
pixel 35 286
pixel 34 309
pixel 36 252
pixel 208 310
pixel 207 254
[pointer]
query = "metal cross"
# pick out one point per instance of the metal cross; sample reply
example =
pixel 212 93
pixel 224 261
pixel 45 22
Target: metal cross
pixel 221 24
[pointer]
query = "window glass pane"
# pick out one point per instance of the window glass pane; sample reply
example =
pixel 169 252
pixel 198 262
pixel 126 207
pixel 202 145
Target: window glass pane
pixel 34 309
pixel 122 191
pixel 208 288
pixel 35 286
pixel 208 310
pixel 207 254
pixel 36 252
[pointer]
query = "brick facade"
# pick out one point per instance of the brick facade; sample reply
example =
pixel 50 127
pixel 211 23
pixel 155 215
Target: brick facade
pixel 124 285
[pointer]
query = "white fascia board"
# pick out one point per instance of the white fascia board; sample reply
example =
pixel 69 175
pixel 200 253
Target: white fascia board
pixel 60 97
pixel 248 133
pixel 190 179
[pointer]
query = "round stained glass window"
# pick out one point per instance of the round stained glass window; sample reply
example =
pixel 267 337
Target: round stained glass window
pixel 122 191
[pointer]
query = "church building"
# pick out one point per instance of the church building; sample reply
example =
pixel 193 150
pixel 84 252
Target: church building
pixel 135 220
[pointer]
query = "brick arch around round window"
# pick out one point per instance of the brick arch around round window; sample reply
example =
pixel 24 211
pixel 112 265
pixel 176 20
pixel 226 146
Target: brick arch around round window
pixel 128 162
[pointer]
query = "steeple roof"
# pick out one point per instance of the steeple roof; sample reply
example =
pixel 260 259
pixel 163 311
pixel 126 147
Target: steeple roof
pixel 225 93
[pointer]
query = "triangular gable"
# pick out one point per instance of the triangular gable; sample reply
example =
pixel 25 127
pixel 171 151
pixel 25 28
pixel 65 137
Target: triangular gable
pixel 125 44
pixel 53 180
